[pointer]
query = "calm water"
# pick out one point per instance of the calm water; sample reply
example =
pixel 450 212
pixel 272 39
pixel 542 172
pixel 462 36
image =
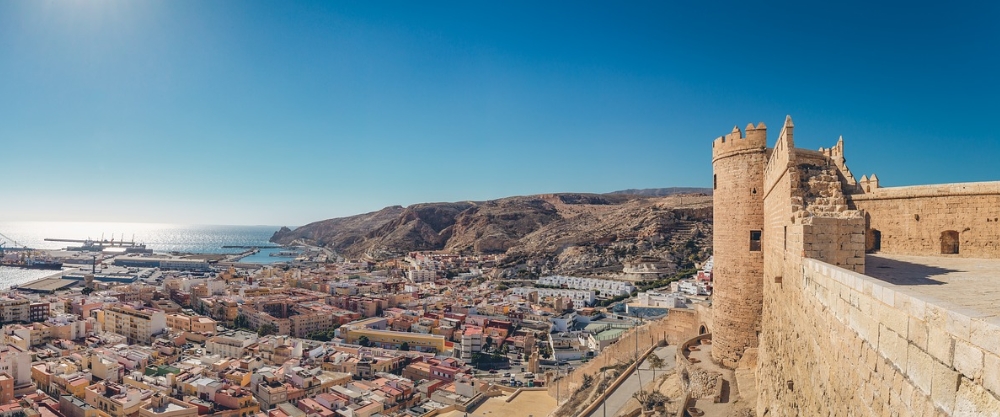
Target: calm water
pixel 18 276
pixel 158 237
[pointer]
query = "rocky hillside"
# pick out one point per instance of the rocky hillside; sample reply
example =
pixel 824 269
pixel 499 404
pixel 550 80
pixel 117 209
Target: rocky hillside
pixel 541 234
pixel 663 192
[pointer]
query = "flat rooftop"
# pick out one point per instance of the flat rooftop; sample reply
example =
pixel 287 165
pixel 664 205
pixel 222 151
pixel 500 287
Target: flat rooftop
pixel 168 407
pixel 50 284
pixel 527 403
pixel 965 282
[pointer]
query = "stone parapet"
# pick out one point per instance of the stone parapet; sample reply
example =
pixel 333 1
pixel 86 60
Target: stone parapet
pixel 848 344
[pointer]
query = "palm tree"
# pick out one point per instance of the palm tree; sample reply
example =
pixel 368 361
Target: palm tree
pixel 655 362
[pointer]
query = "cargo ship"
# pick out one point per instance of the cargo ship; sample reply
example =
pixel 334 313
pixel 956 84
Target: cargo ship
pixel 35 264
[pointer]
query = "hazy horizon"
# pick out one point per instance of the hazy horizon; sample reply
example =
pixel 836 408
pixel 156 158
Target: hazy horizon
pixel 259 113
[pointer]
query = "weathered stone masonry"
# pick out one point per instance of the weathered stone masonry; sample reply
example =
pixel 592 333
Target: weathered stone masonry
pixel 738 169
pixel 832 340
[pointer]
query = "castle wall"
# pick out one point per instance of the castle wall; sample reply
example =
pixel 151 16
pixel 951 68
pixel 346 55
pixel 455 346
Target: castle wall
pixel 910 220
pixel 738 165
pixel 833 341
pixel 635 341
pixel 840 343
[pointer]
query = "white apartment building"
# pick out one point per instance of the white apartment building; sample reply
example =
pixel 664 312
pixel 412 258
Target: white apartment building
pixel 665 300
pixel 472 342
pixel 16 363
pixel 691 287
pixel 603 287
pixel 578 296
pixel 421 275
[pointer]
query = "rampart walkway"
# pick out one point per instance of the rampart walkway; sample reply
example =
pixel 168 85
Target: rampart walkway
pixel 616 401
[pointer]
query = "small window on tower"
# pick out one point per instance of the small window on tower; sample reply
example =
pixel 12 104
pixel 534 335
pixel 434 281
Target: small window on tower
pixel 715 182
pixel 755 240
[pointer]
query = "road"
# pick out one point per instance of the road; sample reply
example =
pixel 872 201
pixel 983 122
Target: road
pixel 620 396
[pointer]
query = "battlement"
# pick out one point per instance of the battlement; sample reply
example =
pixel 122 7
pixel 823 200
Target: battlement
pixel 736 141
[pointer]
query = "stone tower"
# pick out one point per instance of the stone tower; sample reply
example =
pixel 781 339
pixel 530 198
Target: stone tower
pixel 738 163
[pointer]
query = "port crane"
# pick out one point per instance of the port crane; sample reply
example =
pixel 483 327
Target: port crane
pixel 16 246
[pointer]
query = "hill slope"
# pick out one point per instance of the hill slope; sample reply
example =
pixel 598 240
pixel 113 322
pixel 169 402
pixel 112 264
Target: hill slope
pixel 541 234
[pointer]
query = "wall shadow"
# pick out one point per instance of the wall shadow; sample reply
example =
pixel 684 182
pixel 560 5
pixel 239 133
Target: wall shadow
pixel 903 273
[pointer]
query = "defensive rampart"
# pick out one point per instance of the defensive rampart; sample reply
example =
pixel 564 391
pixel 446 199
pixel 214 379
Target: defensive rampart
pixel 679 325
pixel 838 342
pixel 953 219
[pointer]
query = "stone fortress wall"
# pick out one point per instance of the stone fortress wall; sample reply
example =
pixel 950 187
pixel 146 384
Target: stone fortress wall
pixel 679 325
pixel 924 220
pixel 834 341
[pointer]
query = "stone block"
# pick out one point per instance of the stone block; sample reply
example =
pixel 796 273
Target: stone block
pixel 892 347
pixel 944 386
pixel 940 344
pixel 974 401
pixel 916 333
pixel 917 308
pixel 889 297
pixel 958 324
pixel 894 319
pixel 968 359
pixel 918 368
pixel 985 333
pixel 935 315
pixel 906 392
pixel 991 374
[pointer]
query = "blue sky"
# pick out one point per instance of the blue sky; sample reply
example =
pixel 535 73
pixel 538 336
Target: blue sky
pixel 245 112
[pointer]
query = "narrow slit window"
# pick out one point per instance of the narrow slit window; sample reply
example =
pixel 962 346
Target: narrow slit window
pixel 755 240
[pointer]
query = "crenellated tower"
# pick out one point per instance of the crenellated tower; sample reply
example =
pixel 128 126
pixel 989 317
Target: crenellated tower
pixel 738 162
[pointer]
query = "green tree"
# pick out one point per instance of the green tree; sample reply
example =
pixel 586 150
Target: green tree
pixel 363 341
pixel 487 344
pixel 267 329
pixel 241 322
pixel 655 362
pixel 87 290
pixel 405 346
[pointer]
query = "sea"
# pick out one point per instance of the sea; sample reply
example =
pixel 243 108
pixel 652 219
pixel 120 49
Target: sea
pixel 157 236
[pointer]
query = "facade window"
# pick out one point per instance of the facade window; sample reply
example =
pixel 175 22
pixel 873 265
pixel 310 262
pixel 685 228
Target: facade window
pixel 755 241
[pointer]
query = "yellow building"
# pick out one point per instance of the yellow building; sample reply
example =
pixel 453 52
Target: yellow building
pixel 114 399
pixel 391 339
